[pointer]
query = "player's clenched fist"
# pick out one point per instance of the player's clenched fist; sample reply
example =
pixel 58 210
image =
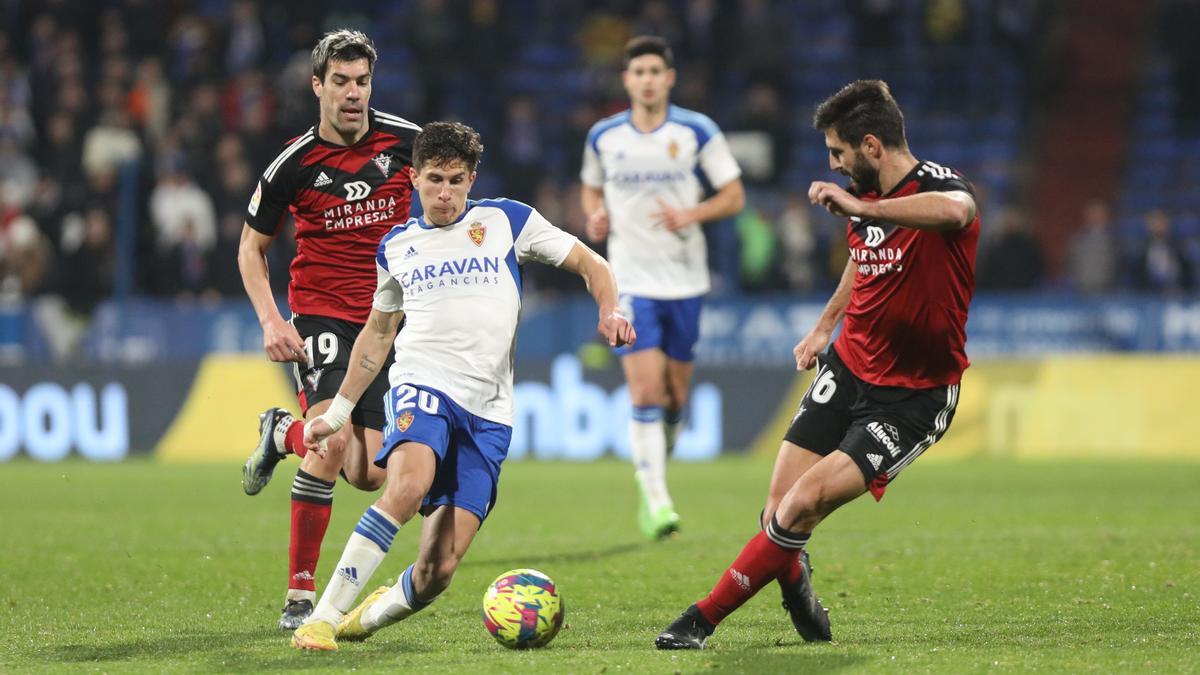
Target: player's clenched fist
pixel 617 330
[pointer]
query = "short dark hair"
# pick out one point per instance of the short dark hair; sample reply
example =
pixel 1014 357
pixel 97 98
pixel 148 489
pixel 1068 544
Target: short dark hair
pixel 648 44
pixel 441 143
pixel 861 108
pixel 342 45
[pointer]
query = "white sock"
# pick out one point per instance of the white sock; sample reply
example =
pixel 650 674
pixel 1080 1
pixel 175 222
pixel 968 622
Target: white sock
pixel 279 435
pixel 649 450
pixel 368 545
pixel 400 602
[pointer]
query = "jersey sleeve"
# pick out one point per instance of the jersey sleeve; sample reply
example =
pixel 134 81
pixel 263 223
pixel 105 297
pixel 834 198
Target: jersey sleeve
pixel 937 178
pixel 717 162
pixel 270 200
pixel 389 296
pixel 592 173
pixel 541 241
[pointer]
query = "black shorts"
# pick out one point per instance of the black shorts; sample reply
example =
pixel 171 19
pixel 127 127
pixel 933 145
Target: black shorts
pixel 328 342
pixel 883 429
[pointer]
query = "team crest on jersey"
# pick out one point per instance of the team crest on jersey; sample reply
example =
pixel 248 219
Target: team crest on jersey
pixel 404 421
pixel 384 162
pixel 673 149
pixel 476 232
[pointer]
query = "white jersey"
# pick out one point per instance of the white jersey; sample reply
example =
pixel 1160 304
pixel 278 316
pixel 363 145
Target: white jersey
pixel 459 287
pixel 636 170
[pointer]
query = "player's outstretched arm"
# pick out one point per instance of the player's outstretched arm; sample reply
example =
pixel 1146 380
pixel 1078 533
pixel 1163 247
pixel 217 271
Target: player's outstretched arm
pixel 952 210
pixel 281 342
pixel 818 338
pixel 366 360
pixel 602 285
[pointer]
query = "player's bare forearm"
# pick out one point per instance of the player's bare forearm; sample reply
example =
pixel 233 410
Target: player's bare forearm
pixel 728 201
pixel 252 263
pixel 835 309
pixel 370 352
pixel 591 198
pixel 924 211
pixel 597 275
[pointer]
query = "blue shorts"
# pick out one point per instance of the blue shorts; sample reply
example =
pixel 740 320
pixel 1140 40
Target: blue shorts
pixel 670 325
pixel 469 449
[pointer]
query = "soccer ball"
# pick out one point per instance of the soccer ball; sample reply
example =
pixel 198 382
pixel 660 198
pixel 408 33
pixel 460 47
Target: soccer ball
pixel 522 609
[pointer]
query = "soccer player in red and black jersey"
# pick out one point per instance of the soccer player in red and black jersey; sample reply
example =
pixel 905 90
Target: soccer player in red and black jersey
pixel 346 183
pixel 888 387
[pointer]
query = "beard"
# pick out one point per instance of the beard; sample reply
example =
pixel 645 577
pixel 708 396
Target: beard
pixel 863 176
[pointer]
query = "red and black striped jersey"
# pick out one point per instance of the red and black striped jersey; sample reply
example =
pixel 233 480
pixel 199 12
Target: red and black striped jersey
pixel 343 199
pixel 906 324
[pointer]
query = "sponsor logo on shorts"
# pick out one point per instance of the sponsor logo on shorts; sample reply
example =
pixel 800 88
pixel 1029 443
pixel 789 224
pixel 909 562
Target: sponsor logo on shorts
pixel 876 460
pixel 887 436
pixel 404 421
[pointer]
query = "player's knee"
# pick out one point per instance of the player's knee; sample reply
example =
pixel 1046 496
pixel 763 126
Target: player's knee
pixel 800 512
pixel 401 499
pixel 364 480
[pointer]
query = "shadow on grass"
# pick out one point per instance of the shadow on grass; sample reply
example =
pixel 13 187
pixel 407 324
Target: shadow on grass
pixel 795 661
pixel 565 557
pixel 255 649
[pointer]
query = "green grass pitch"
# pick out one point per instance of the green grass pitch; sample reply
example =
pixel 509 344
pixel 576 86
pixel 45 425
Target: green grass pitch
pixel 966 566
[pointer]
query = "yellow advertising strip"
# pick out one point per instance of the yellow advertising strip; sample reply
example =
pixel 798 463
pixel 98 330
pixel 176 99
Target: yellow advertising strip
pixel 1094 406
pixel 219 419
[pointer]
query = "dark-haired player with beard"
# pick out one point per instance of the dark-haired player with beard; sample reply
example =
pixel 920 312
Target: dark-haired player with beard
pixel 346 183
pixel 887 388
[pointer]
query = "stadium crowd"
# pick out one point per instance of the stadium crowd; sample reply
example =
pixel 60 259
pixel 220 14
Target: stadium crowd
pixel 132 131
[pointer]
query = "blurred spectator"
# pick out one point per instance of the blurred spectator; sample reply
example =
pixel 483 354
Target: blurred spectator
pixel 756 249
pixel 180 209
pixel 800 258
pixel 24 251
pixel 246 44
pixel 875 23
pixel 763 111
pixel 150 100
pixel 89 261
pixel 1014 261
pixel 109 144
pixel 1092 256
pixel 760 31
pixel 1158 264
pixel 522 153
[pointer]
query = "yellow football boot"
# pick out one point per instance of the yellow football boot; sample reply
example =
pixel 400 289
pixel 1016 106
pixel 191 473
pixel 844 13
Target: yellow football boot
pixel 351 627
pixel 315 635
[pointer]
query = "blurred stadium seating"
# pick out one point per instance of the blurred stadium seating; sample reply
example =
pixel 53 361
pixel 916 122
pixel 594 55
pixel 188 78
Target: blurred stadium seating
pixel 131 133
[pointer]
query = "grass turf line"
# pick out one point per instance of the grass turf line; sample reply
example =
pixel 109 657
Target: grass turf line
pixel 966 566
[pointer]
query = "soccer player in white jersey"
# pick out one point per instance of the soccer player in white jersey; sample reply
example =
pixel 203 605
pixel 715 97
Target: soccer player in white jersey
pixel 642 190
pixel 454 275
